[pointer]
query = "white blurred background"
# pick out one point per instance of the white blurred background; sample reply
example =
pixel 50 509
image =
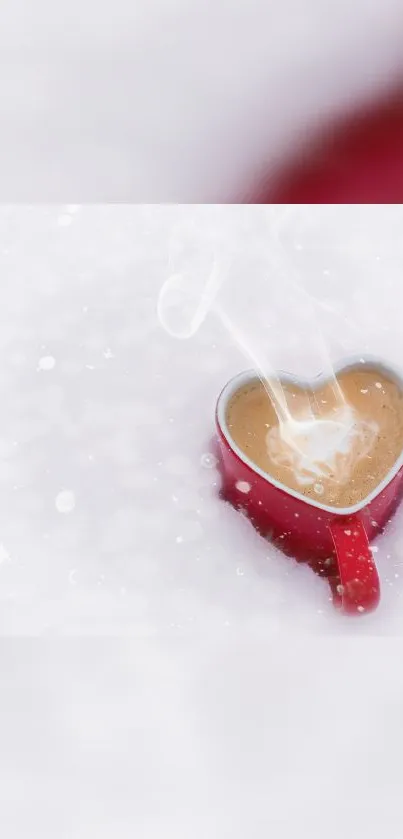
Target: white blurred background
pixel 176 99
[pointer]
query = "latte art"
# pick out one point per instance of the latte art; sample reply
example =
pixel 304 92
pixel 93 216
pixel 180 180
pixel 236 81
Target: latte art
pixel 333 450
pixel 314 449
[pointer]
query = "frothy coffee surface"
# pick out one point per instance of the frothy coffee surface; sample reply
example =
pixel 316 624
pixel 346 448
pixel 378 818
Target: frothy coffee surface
pixel 335 452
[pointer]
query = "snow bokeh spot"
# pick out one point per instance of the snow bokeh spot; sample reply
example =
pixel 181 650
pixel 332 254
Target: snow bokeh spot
pixel 208 460
pixel 243 486
pixel 47 363
pixel 65 501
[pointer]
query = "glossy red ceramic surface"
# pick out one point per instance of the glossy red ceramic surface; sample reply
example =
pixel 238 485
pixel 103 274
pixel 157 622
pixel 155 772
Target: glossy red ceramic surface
pixel 335 543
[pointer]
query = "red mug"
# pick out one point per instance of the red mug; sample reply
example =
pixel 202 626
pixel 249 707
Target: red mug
pixel 359 159
pixel 335 542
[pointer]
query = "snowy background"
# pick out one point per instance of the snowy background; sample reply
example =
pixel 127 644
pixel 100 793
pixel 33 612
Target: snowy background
pixel 176 100
pixel 110 519
pixel 216 715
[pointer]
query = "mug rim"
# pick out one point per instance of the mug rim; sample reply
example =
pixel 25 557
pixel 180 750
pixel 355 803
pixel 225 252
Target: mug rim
pixel 349 363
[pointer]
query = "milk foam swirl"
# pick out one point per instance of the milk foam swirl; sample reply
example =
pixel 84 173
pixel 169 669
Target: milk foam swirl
pixel 322 449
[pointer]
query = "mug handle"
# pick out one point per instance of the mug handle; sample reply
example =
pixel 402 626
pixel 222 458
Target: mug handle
pixel 359 588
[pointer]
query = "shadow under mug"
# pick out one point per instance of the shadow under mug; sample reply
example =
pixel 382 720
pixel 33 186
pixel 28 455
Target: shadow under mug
pixel 335 542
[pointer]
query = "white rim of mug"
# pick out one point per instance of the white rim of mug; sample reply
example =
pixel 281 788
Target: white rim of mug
pixel 350 363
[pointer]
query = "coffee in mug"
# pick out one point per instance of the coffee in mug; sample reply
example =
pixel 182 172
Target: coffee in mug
pixel 339 444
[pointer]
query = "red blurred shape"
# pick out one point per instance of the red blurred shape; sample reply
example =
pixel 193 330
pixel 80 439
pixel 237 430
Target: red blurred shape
pixel 358 161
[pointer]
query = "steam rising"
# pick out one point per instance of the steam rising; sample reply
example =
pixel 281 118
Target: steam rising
pixel 322 449
pixel 182 308
pixel 258 271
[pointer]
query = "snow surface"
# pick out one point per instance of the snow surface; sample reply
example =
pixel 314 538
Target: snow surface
pixel 153 100
pixel 111 521
pixel 217 715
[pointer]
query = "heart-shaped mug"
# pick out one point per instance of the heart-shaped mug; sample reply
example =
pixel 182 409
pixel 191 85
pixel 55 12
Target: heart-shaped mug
pixel 334 541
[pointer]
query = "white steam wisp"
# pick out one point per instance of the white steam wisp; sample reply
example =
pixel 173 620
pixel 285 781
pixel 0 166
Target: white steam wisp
pixel 229 280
